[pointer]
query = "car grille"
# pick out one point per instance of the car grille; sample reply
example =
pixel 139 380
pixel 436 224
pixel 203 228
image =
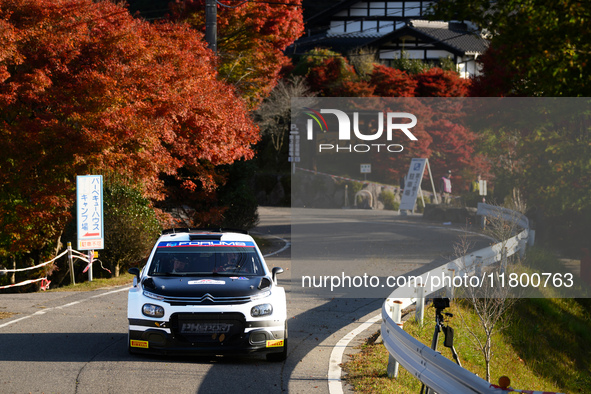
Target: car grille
pixel 208 329
pixel 206 299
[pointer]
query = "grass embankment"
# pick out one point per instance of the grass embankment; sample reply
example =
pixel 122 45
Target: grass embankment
pixel 546 346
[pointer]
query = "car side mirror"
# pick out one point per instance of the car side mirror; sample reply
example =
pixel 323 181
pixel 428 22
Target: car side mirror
pixel 136 272
pixel 276 271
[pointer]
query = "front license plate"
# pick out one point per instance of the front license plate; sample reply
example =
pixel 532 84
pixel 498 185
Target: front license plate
pixel 205 328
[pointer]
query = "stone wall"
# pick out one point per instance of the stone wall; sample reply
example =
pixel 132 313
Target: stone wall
pixel 321 191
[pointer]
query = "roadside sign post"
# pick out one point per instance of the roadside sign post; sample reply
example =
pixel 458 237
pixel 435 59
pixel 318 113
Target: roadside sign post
pixel 365 169
pixel 90 223
pixel 71 264
pixel 482 189
pixel 412 184
pixel 294 147
pixel 90 258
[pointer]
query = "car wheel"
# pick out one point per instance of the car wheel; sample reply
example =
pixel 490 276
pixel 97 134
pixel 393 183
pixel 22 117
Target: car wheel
pixel 275 357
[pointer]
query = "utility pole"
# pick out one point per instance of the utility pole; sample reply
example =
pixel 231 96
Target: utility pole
pixel 211 30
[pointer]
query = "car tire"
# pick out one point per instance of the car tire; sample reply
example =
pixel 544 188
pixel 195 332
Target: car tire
pixel 277 357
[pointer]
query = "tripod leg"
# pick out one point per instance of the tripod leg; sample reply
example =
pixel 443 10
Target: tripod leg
pixel 434 347
pixel 455 354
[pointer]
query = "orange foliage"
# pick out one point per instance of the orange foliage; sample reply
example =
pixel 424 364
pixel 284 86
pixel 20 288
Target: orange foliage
pixel 86 88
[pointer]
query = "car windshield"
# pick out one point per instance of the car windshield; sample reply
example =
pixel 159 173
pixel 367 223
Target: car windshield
pixel 197 259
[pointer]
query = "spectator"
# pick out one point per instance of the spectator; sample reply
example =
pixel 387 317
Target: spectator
pixel 445 188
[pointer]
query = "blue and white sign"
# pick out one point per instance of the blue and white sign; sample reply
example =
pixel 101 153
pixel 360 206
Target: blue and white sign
pixel 412 184
pixel 89 208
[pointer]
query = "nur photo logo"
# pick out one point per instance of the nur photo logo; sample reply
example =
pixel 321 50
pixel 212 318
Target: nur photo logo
pixel 388 124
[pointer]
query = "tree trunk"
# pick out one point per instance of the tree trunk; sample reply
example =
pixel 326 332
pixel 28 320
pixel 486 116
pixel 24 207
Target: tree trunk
pixel 488 355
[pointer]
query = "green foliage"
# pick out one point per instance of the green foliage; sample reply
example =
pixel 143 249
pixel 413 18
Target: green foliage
pixel 388 198
pixel 355 186
pixel 363 60
pixel 542 147
pixel 329 73
pixel 447 64
pixel 411 66
pixel 420 205
pixel 238 196
pixel 313 58
pixel 131 227
pixel 537 47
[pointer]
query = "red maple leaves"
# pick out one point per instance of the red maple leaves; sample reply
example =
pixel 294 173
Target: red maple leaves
pixel 86 88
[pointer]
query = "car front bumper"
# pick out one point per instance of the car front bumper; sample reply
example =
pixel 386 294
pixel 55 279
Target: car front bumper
pixel 161 342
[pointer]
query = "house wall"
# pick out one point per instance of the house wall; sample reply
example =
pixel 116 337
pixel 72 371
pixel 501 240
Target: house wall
pixel 376 17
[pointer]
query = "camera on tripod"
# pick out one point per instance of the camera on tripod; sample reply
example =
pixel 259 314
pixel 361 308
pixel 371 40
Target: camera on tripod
pixel 441 303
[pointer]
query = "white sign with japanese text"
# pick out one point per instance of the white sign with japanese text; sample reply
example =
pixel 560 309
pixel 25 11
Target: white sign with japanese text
pixel 412 184
pixel 89 207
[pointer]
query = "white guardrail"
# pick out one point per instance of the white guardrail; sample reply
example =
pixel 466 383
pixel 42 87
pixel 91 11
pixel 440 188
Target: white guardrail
pixel 437 372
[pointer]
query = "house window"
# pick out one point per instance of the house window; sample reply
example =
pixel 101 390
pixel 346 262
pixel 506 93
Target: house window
pixel 359 9
pixel 377 8
pixel 413 9
pixel 353 26
pixel 337 27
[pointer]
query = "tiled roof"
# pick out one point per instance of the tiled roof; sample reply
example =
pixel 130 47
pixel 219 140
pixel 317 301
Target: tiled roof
pixel 340 43
pixel 455 36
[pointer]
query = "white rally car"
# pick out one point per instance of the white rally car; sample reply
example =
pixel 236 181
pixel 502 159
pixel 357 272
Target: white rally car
pixel 207 292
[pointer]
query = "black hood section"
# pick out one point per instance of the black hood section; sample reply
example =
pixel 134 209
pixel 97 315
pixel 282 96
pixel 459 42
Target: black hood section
pixel 197 286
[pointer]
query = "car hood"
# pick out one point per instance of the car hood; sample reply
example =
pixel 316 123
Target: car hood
pixel 197 286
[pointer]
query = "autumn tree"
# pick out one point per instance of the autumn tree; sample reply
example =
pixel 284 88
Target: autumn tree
pixel 395 166
pixel 448 143
pixel 251 38
pixel 86 88
pixel 437 82
pixel 330 75
pixel 391 82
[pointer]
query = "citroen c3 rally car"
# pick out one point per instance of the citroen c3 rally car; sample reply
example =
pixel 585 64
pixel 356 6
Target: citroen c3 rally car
pixel 204 292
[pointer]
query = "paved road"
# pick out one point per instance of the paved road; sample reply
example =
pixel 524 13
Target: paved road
pixel 75 342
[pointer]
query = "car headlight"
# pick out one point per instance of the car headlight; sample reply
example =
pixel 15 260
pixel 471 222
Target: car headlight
pixel 260 295
pixel 153 310
pixel 261 310
pixel 153 296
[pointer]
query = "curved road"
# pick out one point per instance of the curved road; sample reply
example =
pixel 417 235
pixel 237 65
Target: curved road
pixel 75 342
